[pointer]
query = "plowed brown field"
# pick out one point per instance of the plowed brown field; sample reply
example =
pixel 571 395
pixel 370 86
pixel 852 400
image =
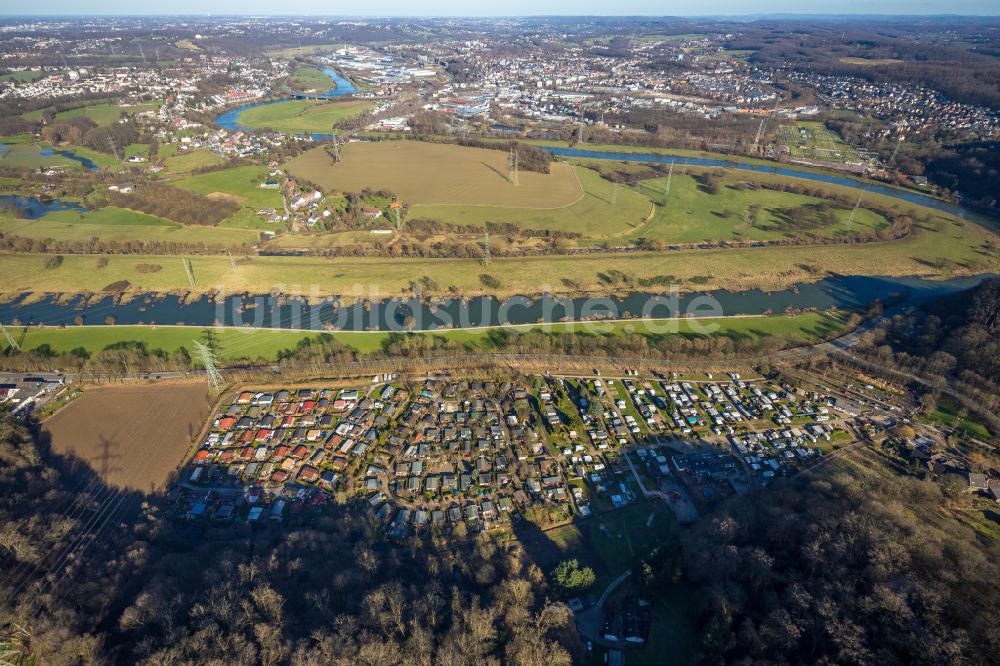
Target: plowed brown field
pixel 133 436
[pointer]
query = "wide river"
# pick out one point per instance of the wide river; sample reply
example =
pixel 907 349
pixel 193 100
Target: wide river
pixel 842 292
pixel 231 118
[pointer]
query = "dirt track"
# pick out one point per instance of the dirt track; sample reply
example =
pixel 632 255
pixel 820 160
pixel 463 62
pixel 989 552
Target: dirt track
pixel 135 435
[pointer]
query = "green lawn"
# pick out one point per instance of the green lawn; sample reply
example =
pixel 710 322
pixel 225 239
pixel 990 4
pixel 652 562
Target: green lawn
pixel 103 114
pixel 301 116
pixel 119 224
pixel 30 156
pixel 947 247
pixel 241 183
pixel 248 218
pixel 947 415
pixel 109 216
pixel 622 538
pixel 106 114
pixel 23 75
pixel 691 215
pixel 310 78
pixel 196 159
pixel 254 343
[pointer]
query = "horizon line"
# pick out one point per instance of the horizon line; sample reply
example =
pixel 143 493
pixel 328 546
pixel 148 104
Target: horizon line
pixel 861 14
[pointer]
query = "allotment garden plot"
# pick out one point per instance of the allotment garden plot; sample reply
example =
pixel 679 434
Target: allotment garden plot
pixel 469 455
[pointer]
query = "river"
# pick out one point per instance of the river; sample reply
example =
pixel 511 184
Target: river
pixel 231 118
pixel 841 292
pixel 832 179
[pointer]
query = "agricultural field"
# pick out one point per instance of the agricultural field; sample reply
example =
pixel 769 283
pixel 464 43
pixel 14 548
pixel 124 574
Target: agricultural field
pixel 461 185
pixel 439 174
pixel 196 159
pixel 302 116
pixel 239 184
pixel 237 343
pixel 310 78
pixel 133 436
pixel 604 211
pixel 737 213
pixel 119 224
pixel 814 142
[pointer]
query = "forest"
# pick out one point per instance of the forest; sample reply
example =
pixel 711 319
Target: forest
pixel 108 577
pixel 839 567
pixel 954 340
pixel 845 567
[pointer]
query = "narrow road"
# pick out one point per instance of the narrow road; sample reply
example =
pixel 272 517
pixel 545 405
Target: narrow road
pixel 590 621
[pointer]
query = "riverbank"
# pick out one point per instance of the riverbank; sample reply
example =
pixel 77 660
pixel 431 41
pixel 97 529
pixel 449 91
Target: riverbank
pixel 939 249
pixel 251 344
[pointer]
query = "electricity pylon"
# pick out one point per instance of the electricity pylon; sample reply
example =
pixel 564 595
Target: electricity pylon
pixel 114 148
pixel 512 163
pixel 614 194
pixel 10 339
pixel 487 259
pixel 207 357
pixel 666 189
pixel 187 269
pixel 895 151
pixel 854 212
pixel 756 140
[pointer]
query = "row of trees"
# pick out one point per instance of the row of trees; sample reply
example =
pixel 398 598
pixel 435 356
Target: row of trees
pixel 96 245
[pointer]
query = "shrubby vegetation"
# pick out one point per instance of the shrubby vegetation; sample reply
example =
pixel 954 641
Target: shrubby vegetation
pixel 174 203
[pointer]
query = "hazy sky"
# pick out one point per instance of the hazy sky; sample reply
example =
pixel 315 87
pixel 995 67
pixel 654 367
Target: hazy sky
pixel 499 7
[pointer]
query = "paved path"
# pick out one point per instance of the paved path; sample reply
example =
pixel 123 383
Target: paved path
pixel 590 621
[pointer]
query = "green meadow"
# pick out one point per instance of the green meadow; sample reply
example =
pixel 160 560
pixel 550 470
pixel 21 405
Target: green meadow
pixel 237 343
